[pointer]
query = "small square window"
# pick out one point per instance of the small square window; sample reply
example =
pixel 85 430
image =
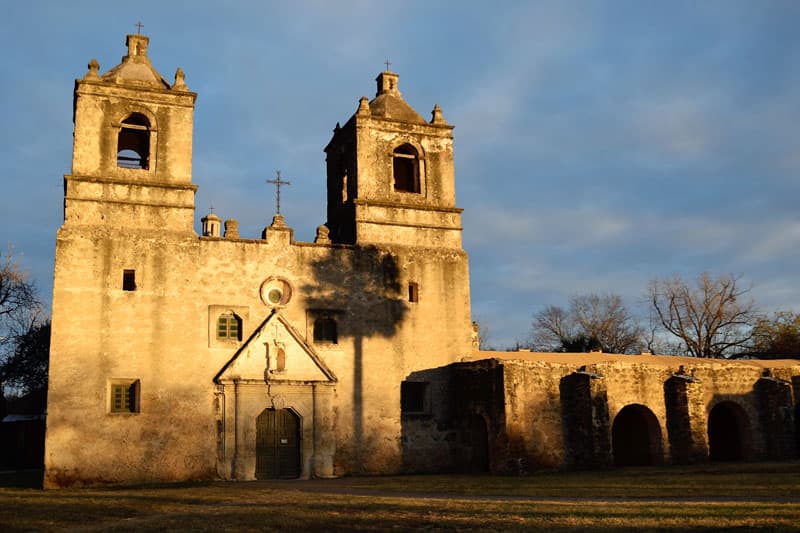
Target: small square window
pixel 229 327
pixel 326 330
pixel 128 280
pixel 124 396
pixel 414 397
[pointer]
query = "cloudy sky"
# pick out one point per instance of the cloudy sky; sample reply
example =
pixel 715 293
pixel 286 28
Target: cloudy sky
pixel 597 144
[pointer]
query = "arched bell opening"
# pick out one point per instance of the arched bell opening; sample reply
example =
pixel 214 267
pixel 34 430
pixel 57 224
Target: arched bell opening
pixel 133 142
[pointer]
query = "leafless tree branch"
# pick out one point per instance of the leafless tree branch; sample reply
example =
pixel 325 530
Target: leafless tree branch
pixel 713 318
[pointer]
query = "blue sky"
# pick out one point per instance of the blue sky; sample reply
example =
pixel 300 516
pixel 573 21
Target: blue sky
pixel 597 144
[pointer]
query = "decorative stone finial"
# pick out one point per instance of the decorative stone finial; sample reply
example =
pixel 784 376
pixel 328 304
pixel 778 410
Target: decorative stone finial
pixel 322 235
pixel 180 84
pixel 232 229
pixel 363 107
pixel 437 117
pixel 94 70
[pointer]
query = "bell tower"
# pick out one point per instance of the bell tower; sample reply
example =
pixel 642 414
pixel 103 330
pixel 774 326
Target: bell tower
pixel 132 148
pixel 390 175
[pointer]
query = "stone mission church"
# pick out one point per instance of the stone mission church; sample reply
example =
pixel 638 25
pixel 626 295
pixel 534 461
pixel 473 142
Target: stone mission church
pixel 176 356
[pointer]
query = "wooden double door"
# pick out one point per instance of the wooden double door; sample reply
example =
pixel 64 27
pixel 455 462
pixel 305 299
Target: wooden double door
pixel 277 444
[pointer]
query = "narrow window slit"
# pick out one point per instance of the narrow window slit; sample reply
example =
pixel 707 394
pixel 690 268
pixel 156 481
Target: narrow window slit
pixel 413 292
pixel 128 280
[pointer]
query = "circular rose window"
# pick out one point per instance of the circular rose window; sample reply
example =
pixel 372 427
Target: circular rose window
pixel 276 292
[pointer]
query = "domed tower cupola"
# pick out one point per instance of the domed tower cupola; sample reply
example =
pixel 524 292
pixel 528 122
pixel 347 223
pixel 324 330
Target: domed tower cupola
pixel 211 225
pixel 388 102
pixel 132 148
pixel 390 174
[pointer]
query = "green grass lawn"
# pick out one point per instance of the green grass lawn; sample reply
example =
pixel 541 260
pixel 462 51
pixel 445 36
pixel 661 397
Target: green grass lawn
pixel 736 496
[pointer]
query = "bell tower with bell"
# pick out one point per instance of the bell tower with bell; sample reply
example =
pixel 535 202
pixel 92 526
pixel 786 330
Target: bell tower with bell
pixel 390 174
pixel 132 148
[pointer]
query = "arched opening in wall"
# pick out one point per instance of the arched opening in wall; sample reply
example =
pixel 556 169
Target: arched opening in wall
pixel 405 166
pixel 133 143
pixel 477 440
pixel 277 444
pixel 636 437
pixel 728 427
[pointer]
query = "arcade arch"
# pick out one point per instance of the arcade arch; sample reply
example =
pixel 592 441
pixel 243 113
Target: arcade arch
pixel 636 437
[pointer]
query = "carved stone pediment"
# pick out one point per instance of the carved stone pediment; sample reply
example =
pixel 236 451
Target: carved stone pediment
pixel 276 352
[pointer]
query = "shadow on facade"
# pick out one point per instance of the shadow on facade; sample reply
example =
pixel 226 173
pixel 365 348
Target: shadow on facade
pixel 361 285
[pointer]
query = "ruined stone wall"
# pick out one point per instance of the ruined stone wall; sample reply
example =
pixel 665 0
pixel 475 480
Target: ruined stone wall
pixel 464 428
pixel 429 437
pixel 563 414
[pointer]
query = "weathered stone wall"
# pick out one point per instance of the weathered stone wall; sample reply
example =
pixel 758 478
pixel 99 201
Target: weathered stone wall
pixel 160 334
pixel 429 437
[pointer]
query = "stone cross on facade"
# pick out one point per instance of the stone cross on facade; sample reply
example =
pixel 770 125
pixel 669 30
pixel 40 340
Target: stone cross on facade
pixel 139 27
pixel 278 182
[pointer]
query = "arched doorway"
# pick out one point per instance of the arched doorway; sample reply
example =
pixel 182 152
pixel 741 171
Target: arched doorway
pixel 636 437
pixel 277 444
pixel 727 429
pixel 478 442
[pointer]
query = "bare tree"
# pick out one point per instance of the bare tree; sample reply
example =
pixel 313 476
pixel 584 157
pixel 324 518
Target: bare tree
pixel 713 318
pixel 551 326
pixel 23 329
pixel 17 294
pixel 593 321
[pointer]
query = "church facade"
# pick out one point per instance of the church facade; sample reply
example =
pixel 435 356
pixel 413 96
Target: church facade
pixel 181 356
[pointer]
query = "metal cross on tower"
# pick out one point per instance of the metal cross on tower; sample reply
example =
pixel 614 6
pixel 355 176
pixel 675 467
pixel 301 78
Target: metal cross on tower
pixel 139 27
pixel 387 63
pixel 278 182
